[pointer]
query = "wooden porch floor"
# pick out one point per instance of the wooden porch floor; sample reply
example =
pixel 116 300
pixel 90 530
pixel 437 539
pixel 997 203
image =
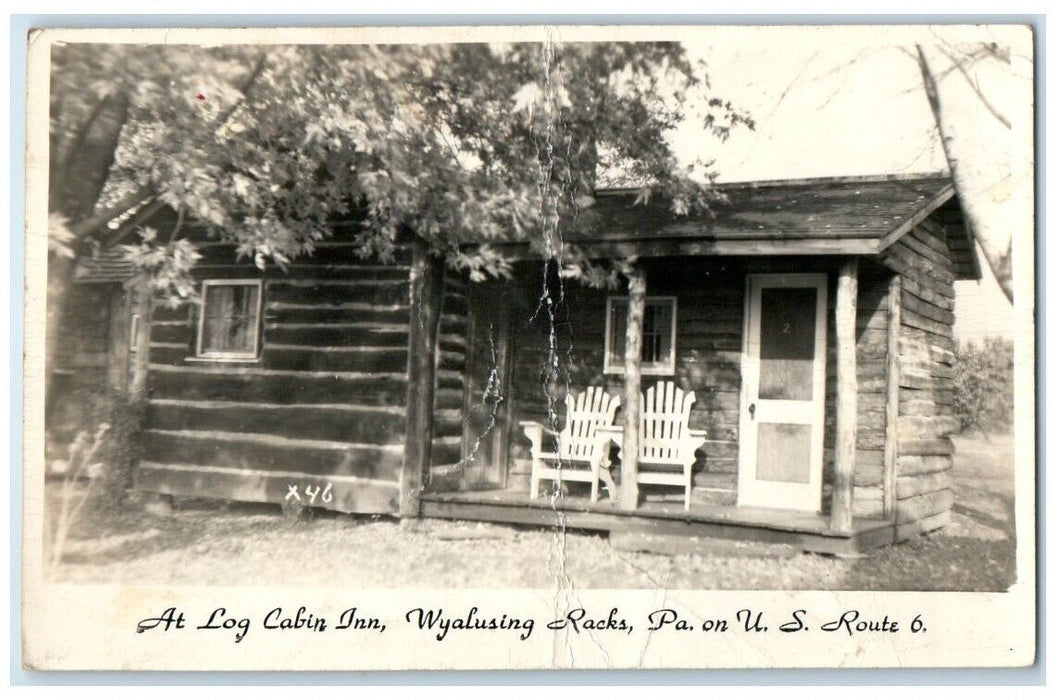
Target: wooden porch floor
pixel 808 531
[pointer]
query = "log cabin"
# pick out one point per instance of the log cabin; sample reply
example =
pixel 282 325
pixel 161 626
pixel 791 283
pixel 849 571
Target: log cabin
pixel 812 319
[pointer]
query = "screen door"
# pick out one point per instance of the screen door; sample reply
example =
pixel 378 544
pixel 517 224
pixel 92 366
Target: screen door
pixel 783 392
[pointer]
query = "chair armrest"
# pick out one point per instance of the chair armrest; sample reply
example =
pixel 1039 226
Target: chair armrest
pixel 533 430
pixel 695 439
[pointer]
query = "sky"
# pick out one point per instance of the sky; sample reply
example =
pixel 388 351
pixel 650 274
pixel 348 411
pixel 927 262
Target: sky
pixel 849 101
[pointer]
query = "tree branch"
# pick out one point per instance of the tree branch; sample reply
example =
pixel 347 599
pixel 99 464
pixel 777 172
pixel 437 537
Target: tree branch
pixel 148 191
pixel 975 88
pixel 999 264
pixel 247 88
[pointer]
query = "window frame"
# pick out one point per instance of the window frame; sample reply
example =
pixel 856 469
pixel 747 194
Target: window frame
pixel 236 355
pixel 665 368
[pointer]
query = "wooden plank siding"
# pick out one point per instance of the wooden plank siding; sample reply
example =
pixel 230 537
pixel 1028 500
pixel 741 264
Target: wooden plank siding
pixel 924 466
pixel 325 401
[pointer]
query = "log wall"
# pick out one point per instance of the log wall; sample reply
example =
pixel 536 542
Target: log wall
pixel 448 413
pixel 324 403
pixel 924 464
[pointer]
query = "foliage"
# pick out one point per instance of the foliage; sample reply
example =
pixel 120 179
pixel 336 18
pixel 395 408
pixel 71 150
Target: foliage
pixel 984 384
pixel 114 418
pixel 84 460
pixel 463 145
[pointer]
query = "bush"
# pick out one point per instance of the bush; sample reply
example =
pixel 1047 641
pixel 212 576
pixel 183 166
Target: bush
pixel 122 447
pixel 984 385
pixel 119 445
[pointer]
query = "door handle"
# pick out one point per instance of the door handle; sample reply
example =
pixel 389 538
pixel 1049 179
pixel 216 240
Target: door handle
pixel 751 410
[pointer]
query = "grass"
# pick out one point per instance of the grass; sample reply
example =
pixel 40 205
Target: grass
pixel 207 543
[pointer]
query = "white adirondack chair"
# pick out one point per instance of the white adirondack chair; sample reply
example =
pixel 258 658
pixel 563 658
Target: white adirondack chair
pixel 666 444
pixel 579 450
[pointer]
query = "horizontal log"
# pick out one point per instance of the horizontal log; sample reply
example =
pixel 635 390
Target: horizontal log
pixel 915 465
pixel 448 398
pixel 920 268
pixel 923 407
pixel 925 446
pixel 927 309
pixel 928 425
pixel 346 312
pixel 273 386
pixel 938 255
pixel 345 494
pixel 336 359
pixel 923 506
pixel 935 297
pixel 909 486
pixel 912 378
pixel 869 468
pixel 920 350
pixel 931 232
pixel 351 333
pixel 173 332
pixel 907 530
pixel 867 507
pixel 334 422
pixel 943 397
pixel 270 453
pixel 931 339
pixel 915 320
pixel 317 291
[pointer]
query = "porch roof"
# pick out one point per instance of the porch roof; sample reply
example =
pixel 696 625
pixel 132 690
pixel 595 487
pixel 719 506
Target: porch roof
pixel 836 216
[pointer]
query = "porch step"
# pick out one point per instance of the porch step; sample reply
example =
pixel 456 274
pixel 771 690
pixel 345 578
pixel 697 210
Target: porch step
pixel 672 545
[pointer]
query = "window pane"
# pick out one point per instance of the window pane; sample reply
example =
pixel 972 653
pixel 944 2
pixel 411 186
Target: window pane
pixel 786 343
pixel 230 322
pixel 656 332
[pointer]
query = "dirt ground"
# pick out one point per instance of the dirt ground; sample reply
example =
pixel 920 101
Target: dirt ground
pixel 206 543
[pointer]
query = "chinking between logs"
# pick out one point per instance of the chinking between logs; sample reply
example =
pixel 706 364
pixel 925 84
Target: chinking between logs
pixel 435 619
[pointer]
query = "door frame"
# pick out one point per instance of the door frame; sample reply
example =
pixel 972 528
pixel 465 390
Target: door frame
pixel 750 491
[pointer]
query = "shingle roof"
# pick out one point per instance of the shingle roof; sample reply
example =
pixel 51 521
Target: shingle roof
pixel 833 208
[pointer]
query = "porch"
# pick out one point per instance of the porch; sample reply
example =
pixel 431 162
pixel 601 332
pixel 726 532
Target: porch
pixel 756 473
pixel 808 531
pixel 793 348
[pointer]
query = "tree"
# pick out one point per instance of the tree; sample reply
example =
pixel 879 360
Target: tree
pixel 460 145
pixel 992 233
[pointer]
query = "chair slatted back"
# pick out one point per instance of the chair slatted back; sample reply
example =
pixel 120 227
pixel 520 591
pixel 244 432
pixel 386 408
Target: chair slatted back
pixel 664 423
pixel 588 411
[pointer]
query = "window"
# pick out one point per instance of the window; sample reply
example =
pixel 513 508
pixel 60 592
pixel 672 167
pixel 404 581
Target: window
pixel 229 323
pixel 658 335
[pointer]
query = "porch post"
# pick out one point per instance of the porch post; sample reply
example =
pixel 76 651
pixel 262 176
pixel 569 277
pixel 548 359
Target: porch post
pixel 632 387
pixel 426 295
pixel 846 397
